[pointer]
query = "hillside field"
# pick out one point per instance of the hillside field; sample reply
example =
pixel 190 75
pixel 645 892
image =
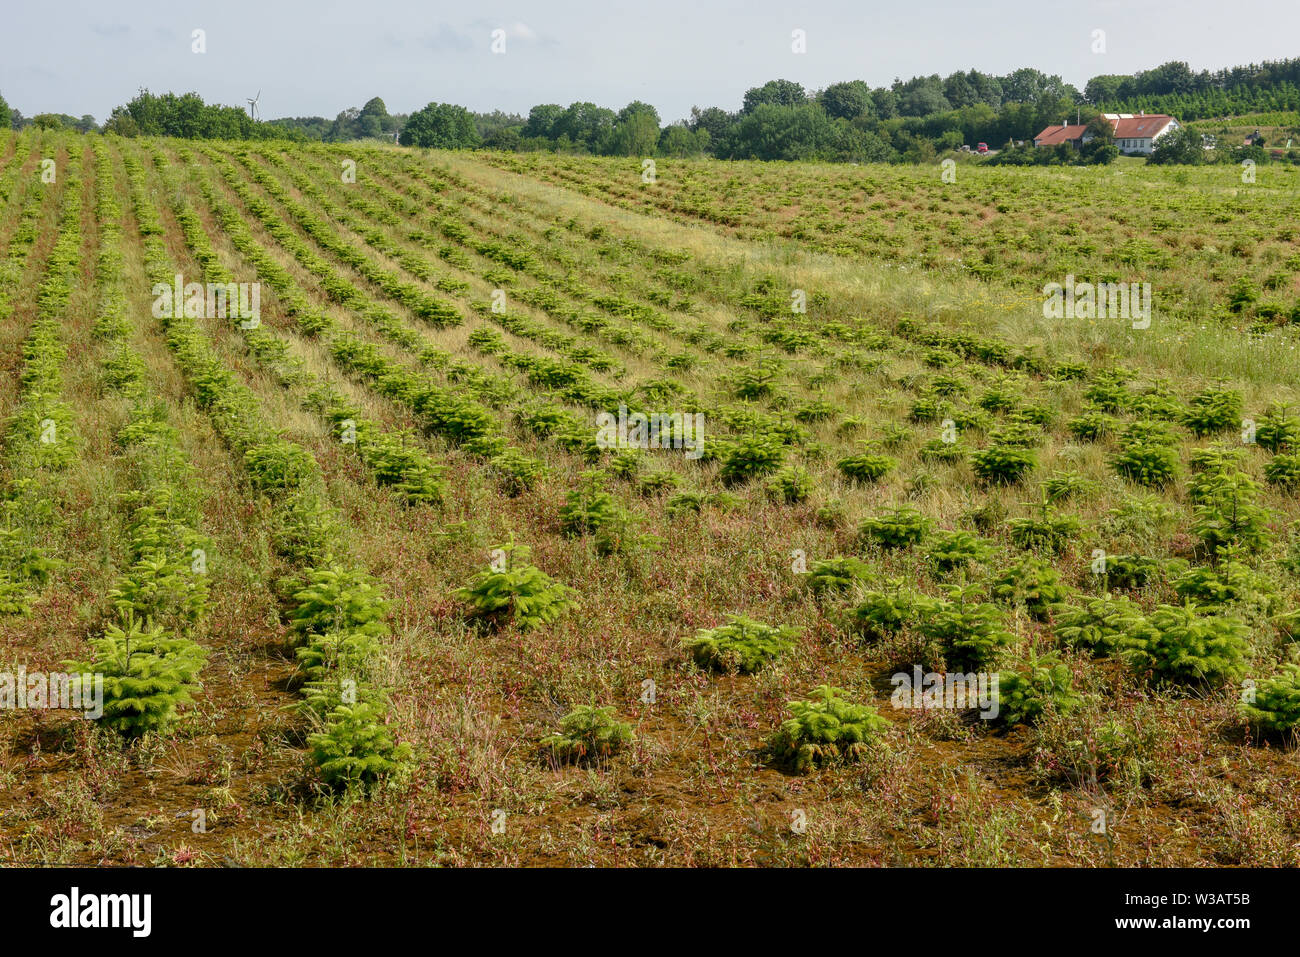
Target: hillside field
pixel 369 586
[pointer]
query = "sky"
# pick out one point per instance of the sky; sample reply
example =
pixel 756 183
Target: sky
pixel 315 59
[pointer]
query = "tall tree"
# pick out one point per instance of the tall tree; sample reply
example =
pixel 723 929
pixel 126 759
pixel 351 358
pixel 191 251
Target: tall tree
pixel 774 93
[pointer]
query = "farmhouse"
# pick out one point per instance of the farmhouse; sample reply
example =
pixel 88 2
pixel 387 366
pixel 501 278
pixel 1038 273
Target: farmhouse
pixel 1056 135
pixel 1133 134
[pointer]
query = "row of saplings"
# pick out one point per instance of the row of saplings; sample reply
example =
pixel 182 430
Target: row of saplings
pixel 826 727
pixel 1198 644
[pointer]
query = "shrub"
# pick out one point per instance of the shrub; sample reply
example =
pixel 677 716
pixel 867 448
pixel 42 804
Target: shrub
pixel 827 729
pixel 867 467
pixel 336 598
pixel 1146 518
pixel 1214 410
pixel 970 632
pixel 162 589
pixel 1131 571
pixel 882 613
pixel 743 645
pixel 1159 402
pixel 895 529
pixel 1047 531
pixel 1179 645
pixel 1097 627
pixel 1277 430
pixel 518 591
pixel 1229 582
pixel 147 673
pixel 1003 464
pixel 790 485
pixel 589 508
pixel 356 747
pixel 1147 455
pixel 278 465
pixel 752 457
pixel 958 549
pixel 517 472
pixel 1031 582
pixel 1109 395
pixel 1092 426
pixel 1063 486
pixel 837 574
pixel 1229 518
pixel 1276 706
pixel 1283 470
pixel 831 514
pixel 659 480
pixel 588 732
pixel 1044 685
pixel 937 450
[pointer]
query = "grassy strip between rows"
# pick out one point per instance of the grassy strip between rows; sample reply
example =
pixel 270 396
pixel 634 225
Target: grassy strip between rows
pixel 335 609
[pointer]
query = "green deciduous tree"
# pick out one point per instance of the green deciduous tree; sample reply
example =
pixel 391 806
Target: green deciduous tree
pixel 440 126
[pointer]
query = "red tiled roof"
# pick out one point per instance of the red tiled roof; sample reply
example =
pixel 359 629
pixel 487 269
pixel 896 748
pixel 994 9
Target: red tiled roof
pixel 1141 127
pixel 1055 135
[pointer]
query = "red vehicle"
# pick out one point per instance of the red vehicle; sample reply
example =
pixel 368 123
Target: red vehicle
pixel 981 147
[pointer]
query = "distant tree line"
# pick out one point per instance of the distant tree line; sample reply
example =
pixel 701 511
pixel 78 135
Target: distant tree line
pixel 912 120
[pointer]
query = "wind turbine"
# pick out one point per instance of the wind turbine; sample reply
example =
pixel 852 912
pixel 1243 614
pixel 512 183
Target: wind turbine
pixel 252 105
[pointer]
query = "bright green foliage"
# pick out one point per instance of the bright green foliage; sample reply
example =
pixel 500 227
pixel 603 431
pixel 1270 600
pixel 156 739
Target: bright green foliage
pixel 1132 571
pixel 868 466
pixel 1109 393
pixel 1045 531
pixel 147 673
pixel 1214 410
pixel 1148 454
pixel 278 465
pixel 790 485
pixel 1044 685
pixel 519 473
pixel 161 588
pixel 1229 582
pixel 1276 708
pixel 1092 426
pixel 837 574
pixel 1277 430
pixel 1097 627
pixel 751 457
pixel 937 450
pixel 1211 466
pixel 1003 464
pixel 959 549
pixel 1031 582
pixel 825 730
pixel 1180 645
pixel 518 591
pixel 1229 517
pixel 1063 486
pixel 883 613
pixel 588 732
pixel 356 747
pixel 895 529
pixel 743 645
pixel 1284 471
pixel 339 599
pixel 970 632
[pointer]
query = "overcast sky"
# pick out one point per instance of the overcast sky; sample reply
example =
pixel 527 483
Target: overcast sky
pixel 318 58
